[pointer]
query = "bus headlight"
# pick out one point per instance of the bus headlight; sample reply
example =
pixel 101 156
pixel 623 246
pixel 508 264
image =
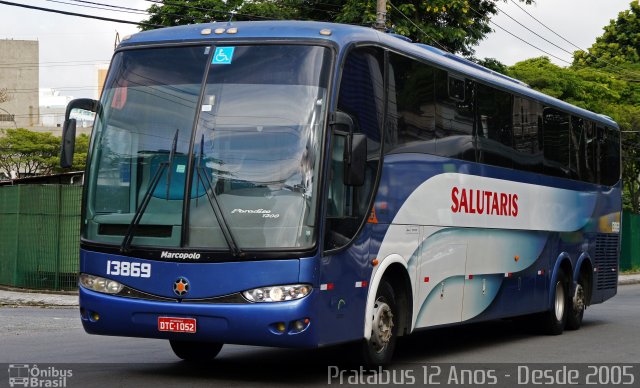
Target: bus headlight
pixel 277 293
pixel 99 284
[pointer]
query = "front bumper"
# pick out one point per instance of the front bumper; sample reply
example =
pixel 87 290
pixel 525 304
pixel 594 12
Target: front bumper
pixel 247 324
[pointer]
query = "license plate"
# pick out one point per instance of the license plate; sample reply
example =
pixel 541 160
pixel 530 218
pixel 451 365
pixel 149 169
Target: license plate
pixel 177 325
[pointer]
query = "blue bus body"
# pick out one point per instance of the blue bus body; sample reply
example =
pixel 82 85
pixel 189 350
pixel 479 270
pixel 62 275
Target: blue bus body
pixel 467 241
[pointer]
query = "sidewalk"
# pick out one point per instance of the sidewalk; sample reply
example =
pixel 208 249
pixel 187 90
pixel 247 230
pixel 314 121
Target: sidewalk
pixel 12 297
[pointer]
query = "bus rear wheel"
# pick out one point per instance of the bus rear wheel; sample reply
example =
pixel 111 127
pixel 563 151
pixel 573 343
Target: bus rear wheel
pixel 554 320
pixel 378 350
pixel 195 351
pixel 578 305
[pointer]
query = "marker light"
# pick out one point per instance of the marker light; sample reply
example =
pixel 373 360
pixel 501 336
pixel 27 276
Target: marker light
pixel 232 30
pixel 277 293
pixel 96 283
pixel 219 31
pixel 205 31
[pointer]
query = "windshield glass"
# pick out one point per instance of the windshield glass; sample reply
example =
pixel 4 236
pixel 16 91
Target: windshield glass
pixel 258 146
pixel 255 155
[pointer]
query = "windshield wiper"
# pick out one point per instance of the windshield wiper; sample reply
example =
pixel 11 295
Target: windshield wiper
pixel 171 156
pixel 128 237
pixel 215 205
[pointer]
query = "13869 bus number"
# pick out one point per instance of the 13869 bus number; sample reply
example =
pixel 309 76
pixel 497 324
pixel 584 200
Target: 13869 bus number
pixel 125 268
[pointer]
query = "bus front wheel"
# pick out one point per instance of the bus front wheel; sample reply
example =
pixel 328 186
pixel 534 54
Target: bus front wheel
pixel 378 350
pixel 195 351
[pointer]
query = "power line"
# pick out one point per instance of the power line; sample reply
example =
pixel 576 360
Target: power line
pixel 519 38
pixel 418 27
pixel 533 32
pixel 545 26
pixel 117 8
pixel 79 14
pixel 107 8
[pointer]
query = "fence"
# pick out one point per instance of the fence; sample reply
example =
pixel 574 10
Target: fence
pixel 39 236
pixel 630 254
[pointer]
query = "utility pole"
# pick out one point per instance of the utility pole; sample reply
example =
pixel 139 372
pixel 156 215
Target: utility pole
pixel 381 15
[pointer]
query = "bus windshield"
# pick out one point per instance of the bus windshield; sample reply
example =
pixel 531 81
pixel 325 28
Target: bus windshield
pixel 233 131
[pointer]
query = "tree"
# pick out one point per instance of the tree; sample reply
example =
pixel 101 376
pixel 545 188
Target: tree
pixel 28 153
pixel 36 153
pixel 455 25
pixel 619 44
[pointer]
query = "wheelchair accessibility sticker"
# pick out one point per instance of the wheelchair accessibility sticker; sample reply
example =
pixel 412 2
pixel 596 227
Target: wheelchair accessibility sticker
pixel 223 56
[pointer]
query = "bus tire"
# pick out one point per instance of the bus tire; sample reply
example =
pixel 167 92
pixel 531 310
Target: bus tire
pixel 195 351
pixel 577 306
pixel 554 320
pixel 378 350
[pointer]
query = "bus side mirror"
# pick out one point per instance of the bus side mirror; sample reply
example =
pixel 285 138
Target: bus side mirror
pixel 68 143
pixel 355 159
pixel 69 129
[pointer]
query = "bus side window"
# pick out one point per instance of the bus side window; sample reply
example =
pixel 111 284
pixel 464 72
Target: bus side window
pixel 454 116
pixel 361 96
pixel 527 143
pixel 612 158
pixel 493 126
pixel 556 143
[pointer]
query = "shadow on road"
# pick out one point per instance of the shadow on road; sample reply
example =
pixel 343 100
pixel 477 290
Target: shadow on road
pixel 267 366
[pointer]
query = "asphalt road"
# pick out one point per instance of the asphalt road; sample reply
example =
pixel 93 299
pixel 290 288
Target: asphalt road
pixel 54 337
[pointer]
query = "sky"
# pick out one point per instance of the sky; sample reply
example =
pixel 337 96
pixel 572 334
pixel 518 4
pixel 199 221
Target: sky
pixel 72 48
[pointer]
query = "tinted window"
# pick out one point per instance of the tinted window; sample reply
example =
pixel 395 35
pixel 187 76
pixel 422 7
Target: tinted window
pixel 556 143
pixel 527 139
pixel 493 125
pixel 454 117
pixel 611 159
pixel 590 173
pixel 411 113
pixel 577 161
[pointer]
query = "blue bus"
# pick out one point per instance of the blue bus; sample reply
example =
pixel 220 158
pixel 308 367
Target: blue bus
pixel 304 184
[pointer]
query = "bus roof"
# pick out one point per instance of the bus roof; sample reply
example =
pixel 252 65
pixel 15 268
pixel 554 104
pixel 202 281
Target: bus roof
pixel 343 35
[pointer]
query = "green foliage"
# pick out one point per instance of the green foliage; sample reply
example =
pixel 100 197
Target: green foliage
pixel 456 25
pixel 492 64
pixel 619 44
pixel 36 153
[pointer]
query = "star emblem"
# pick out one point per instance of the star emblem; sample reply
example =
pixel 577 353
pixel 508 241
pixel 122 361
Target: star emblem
pixel 181 286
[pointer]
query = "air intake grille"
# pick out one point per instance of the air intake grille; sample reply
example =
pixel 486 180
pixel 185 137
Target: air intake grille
pixel 606 261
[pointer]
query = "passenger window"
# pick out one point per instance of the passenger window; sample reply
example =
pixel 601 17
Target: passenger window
pixel 556 143
pixel 591 153
pixel 411 121
pixel 527 141
pixel 577 162
pixel 454 117
pixel 494 129
pixel 611 159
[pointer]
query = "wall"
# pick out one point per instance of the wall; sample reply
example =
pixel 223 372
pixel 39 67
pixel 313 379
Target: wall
pixel 20 75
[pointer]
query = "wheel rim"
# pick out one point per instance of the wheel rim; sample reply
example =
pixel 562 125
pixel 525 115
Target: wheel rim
pixel 578 300
pixel 382 329
pixel 559 301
